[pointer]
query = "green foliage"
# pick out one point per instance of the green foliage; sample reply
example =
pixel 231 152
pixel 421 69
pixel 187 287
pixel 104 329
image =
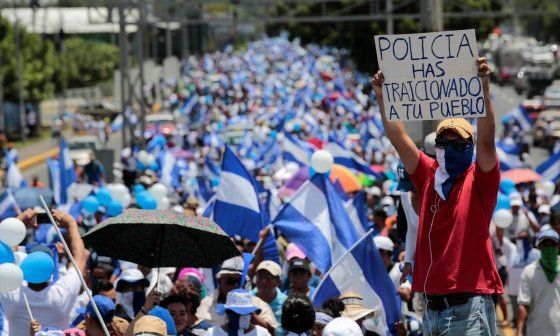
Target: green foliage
pixel 38 59
pixel 85 63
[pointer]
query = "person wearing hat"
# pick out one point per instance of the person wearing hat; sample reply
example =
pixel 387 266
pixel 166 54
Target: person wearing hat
pixel 539 290
pixel 239 310
pixel 524 223
pixel 454 265
pixel 366 318
pixel 50 303
pixel 385 246
pixel 106 308
pixel 342 326
pixel 299 274
pixel 267 282
pixel 131 288
pixel 229 278
pixel 148 325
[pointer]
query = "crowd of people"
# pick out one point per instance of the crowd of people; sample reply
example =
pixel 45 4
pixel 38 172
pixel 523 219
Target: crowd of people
pixel 260 102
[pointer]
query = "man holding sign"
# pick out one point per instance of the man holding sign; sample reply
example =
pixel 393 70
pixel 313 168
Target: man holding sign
pixel 454 264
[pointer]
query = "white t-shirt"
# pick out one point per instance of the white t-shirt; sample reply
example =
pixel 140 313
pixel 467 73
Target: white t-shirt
pixel 258 331
pixel 52 306
pixel 395 275
pixel 543 299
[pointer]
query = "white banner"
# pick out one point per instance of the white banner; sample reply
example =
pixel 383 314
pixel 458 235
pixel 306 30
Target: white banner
pixel 430 76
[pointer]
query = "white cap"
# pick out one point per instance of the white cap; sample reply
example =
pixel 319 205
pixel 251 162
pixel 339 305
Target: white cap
pixel 516 202
pixel 270 266
pixel 374 191
pixel 342 326
pixel 544 209
pixel 430 144
pixel 387 201
pixel 383 243
pixel 232 266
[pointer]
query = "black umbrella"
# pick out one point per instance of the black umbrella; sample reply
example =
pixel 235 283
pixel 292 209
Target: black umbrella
pixel 29 197
pixel 161 238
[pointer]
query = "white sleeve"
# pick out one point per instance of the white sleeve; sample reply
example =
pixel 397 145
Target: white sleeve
pixel 524 297
pixel 67 289
pixel 412 227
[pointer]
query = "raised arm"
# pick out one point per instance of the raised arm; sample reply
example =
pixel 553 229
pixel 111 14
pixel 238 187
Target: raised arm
pixel 485 144
pixel 75 242
pixel 395 130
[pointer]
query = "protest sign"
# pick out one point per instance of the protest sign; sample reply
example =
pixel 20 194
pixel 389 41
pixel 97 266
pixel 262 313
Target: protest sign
pixel 430 76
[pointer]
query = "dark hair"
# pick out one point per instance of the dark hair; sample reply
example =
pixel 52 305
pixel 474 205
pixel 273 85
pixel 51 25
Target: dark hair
pixel 102 286
pixel 333 307
pixel 108 269
pixel 191 298
pixel 298 315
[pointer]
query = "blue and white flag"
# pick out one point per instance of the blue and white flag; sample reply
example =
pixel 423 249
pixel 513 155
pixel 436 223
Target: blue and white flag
pixel 521 115
pixel 348 159
pixel 357 210
pixel 66 171
pixel 117 124
pixel 14 179
pixel 295 150
pixel 316 221
pixel 508 154
pixel 189 104
pixel 550 169
pixel 362 271
pixel 168 169
pixel 237 208
pixel 8 205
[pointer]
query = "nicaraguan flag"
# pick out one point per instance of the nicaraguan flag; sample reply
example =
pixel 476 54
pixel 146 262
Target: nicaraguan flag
pixel 362 271
pixel 168 169
pixel 66 171
pixel 346 158
pixel 316 221
pixel 357 210
pixel 295 150
pixel 8 205
pixel 508 154
pixel 550 169
pixel 521 115
pixel 237 208
pixel 14 179
pixel 117 124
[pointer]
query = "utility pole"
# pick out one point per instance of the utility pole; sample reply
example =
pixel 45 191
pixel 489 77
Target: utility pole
pixel 123 67
pixel 432 21
pixel 2 36
pixel 19 60
pixel 390 21
pixel 141 30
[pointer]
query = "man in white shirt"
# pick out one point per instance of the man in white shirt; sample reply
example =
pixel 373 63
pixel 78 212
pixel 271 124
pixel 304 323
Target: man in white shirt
pixel 51 304
pixel 539 290
pixel 385 246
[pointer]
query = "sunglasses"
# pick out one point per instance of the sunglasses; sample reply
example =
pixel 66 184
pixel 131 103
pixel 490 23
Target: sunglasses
pixel 233 281
pixel 458 144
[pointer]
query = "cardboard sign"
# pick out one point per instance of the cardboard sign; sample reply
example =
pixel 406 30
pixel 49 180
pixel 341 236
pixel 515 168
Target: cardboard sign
pixel 430 76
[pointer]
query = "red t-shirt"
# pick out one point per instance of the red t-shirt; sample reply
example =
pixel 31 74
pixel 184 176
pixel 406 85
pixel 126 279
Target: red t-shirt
pixel 463 259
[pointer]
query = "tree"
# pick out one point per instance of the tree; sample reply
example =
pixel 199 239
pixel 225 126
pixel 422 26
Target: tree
pixel 85 63
pixel 38 64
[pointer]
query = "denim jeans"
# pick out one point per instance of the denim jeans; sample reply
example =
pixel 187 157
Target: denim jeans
pixel 476 317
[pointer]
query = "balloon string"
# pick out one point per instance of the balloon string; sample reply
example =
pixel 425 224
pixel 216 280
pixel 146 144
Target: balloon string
pixel 27 304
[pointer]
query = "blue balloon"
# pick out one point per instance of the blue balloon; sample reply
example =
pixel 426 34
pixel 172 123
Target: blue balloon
pixel 90 204
pixel 141 195
pixel 311 171
pixel 114 208
pixel 104 196
pixel 503 202
pixel 147 203
pixel 138 188
pixel 6 254
pixel 507 186
pixel 153 166
pixel 37 268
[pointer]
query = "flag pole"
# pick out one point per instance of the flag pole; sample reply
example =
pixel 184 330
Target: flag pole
pixel 326 275
pixel 69 254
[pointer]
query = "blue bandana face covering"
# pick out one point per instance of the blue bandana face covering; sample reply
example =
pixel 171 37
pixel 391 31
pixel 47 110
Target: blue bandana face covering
pixel 452 163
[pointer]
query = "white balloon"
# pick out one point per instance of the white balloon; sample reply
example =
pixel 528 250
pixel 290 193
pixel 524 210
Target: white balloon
pixel 11 277
pixel 19 257
pixel 163 203
pixel 142 156
pixel 158 190
pixel 12 231
pixel 502 218
pixel 150 158
pixel 548 188
pixel 322 161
